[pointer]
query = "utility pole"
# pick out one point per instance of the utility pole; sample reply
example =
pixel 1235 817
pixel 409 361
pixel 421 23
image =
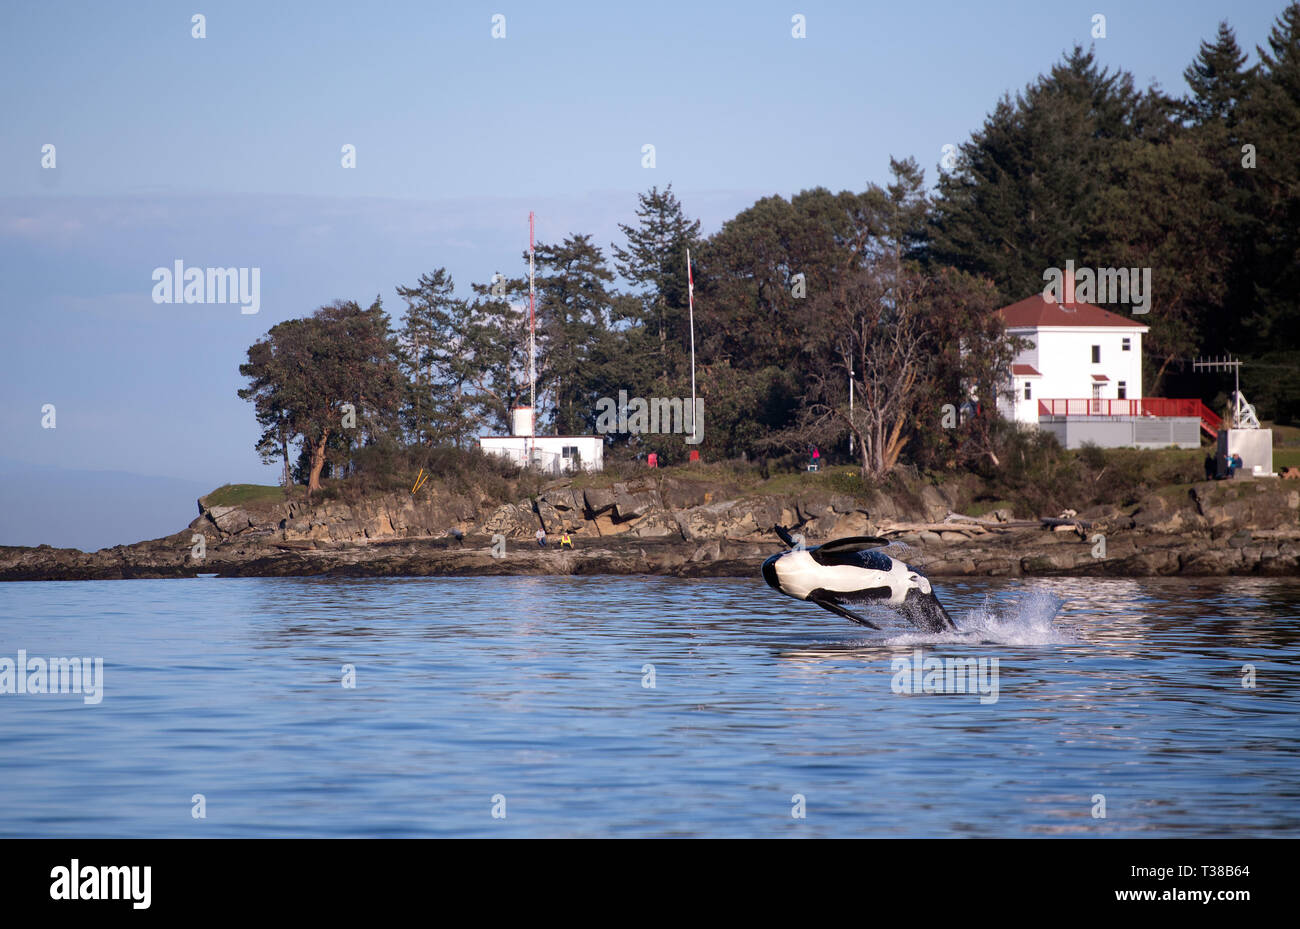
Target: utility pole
pixel 690 291
pixel 850 412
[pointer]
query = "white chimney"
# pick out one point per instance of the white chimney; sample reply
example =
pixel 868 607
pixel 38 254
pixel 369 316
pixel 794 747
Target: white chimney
pixel 522 420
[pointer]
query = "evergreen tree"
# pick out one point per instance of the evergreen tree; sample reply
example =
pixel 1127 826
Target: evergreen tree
pixel 442 339
pixel 306 371
pixel 1028 183
pixel 655 262
pixel 573 313
pixel 1217 79
pixel 1271 122
pixel 500 312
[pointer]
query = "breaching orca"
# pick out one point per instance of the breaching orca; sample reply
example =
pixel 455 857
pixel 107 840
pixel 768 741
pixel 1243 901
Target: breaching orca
pixel 851 571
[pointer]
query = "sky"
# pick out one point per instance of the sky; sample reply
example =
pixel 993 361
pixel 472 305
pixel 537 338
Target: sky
pixel 227 151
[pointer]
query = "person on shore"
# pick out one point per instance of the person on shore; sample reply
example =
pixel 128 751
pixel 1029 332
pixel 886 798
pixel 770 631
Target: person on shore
pixel 541 538
pixel 565 541
pixel 457 535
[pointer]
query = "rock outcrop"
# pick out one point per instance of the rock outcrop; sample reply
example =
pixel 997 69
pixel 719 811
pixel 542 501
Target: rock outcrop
pixel 684 527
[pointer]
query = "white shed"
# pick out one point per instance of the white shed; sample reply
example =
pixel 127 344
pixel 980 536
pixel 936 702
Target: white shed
pixel 551 454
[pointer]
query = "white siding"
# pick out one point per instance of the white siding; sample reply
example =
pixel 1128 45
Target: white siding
pixel 1063 355
pixel 549 450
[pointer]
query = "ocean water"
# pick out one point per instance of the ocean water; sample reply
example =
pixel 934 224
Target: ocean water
pixel 627 706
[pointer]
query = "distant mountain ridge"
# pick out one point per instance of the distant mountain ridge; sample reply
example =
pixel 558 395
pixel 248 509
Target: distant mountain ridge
pixel 90 510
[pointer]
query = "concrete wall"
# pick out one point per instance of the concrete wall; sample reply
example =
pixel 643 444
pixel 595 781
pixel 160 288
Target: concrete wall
pixel 1124 432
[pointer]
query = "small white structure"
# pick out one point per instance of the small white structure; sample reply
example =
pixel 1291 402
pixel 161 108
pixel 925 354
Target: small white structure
pixel 1255 446
pixel 1247 440
pixel 550 454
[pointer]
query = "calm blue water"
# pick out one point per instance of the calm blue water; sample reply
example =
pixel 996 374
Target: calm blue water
pixel 532 688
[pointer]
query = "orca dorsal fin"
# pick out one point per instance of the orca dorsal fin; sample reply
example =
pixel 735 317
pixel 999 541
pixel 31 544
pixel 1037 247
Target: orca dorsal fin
pixel 854 543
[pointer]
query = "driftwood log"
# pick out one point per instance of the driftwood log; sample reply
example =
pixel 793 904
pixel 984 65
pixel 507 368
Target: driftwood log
pixel 971 526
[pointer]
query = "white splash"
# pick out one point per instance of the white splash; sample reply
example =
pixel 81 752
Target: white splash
pixel 1027 621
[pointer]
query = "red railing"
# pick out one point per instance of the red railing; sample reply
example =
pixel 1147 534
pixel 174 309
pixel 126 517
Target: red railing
pixel 1145 406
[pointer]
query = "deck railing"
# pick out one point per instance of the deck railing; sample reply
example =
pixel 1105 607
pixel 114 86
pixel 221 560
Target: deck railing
pixel 1143 406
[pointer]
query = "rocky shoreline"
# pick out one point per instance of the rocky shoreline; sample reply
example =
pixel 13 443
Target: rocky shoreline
pixel 685 528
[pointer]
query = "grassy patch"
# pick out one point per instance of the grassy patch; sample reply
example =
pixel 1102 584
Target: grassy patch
pixel 1284 435
pixel 244 495
pixel 1286 458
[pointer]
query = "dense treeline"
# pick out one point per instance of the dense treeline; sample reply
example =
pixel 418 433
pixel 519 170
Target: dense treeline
pixel 892 288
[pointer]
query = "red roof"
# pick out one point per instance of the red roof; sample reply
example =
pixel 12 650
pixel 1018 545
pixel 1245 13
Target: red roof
pixel 1100 377
pixel 1033 312
pixel 1024 371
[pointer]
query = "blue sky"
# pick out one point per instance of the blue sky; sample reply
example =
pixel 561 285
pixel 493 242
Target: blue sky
pixel 225 151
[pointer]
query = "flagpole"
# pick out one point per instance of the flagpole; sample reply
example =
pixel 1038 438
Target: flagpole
pixel 532 348
pixel 690 291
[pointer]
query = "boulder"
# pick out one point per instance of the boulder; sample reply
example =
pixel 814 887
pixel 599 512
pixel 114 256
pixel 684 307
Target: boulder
pixel 632 505
pixel 561 499
pixel 230 519
pixel 709 551
pixel 844 504
pixel 936 504
pixel 657 525
pixel 703 522
pixel 854 524
pixel 598 500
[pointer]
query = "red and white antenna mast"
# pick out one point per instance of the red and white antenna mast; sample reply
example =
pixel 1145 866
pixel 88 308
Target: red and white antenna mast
pixel 532 344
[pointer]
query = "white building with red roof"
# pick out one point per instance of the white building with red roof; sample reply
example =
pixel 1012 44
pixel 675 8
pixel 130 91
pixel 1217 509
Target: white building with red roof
pixel 1080 377
pixel 1077 351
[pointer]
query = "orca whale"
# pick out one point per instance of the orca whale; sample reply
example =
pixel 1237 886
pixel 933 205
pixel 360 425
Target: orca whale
pixel 854 571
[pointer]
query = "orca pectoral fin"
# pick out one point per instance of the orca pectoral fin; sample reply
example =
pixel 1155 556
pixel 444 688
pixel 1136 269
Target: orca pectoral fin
pixel 824 601
pixel 926 612
pixel 784 534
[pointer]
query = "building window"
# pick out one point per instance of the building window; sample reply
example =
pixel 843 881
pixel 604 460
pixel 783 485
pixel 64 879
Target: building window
pixel 570 451
pixel 1096 354
pixel 1027 395
pixel 1126 345
pixel 1122 389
